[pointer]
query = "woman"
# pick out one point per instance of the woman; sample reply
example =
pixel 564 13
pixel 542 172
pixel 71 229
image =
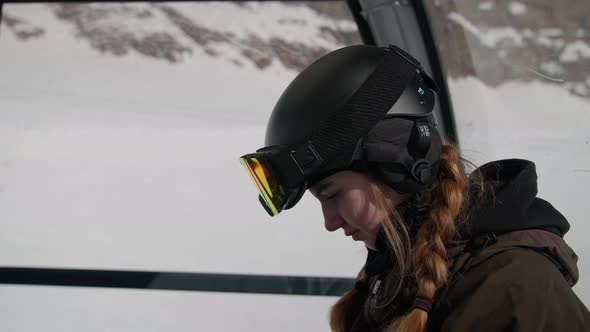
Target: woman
pixel 446 251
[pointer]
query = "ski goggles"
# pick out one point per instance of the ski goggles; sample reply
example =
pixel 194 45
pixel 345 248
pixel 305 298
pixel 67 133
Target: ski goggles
pixel 276 193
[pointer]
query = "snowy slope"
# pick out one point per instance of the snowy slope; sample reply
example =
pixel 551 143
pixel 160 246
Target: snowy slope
pixel 140 156
pixel 119 149
pixel 502 41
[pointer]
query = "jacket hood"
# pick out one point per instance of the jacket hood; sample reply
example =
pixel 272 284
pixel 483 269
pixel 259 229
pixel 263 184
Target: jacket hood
pixel 512 203
pixel 513 212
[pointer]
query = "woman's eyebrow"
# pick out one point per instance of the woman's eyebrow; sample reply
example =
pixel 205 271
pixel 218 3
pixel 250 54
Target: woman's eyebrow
pixel 323 186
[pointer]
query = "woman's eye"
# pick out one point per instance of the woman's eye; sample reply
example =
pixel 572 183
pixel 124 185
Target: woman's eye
pixel 333 195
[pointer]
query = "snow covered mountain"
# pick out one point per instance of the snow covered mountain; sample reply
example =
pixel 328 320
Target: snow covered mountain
pixel 526 40
pixel 292 34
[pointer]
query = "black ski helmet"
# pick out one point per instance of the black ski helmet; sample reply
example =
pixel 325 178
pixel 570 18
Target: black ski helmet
pixel 393 148
pixel 362 107
pixel 324 87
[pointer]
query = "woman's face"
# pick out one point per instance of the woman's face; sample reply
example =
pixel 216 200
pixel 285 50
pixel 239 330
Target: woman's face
pixel 348 203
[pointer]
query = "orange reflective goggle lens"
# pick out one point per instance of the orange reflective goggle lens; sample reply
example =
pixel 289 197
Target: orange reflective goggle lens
pixel 271 191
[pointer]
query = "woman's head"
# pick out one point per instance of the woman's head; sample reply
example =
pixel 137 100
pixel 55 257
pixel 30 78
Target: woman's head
pixel 358 124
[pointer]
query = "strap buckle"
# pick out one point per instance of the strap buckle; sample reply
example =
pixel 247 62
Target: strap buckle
pixel 306 158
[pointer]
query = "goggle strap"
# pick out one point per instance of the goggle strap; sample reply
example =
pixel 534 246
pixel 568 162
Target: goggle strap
pixel 364 109
pixel 291 175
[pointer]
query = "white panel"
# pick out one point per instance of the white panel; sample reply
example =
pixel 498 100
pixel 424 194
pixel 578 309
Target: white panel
pixel 68 309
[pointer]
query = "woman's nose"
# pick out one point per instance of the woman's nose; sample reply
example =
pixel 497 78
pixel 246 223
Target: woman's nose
pixel 332 221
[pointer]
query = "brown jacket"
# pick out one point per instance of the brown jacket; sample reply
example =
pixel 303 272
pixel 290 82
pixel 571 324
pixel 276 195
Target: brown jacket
pixel 521 282
pixel 518 281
